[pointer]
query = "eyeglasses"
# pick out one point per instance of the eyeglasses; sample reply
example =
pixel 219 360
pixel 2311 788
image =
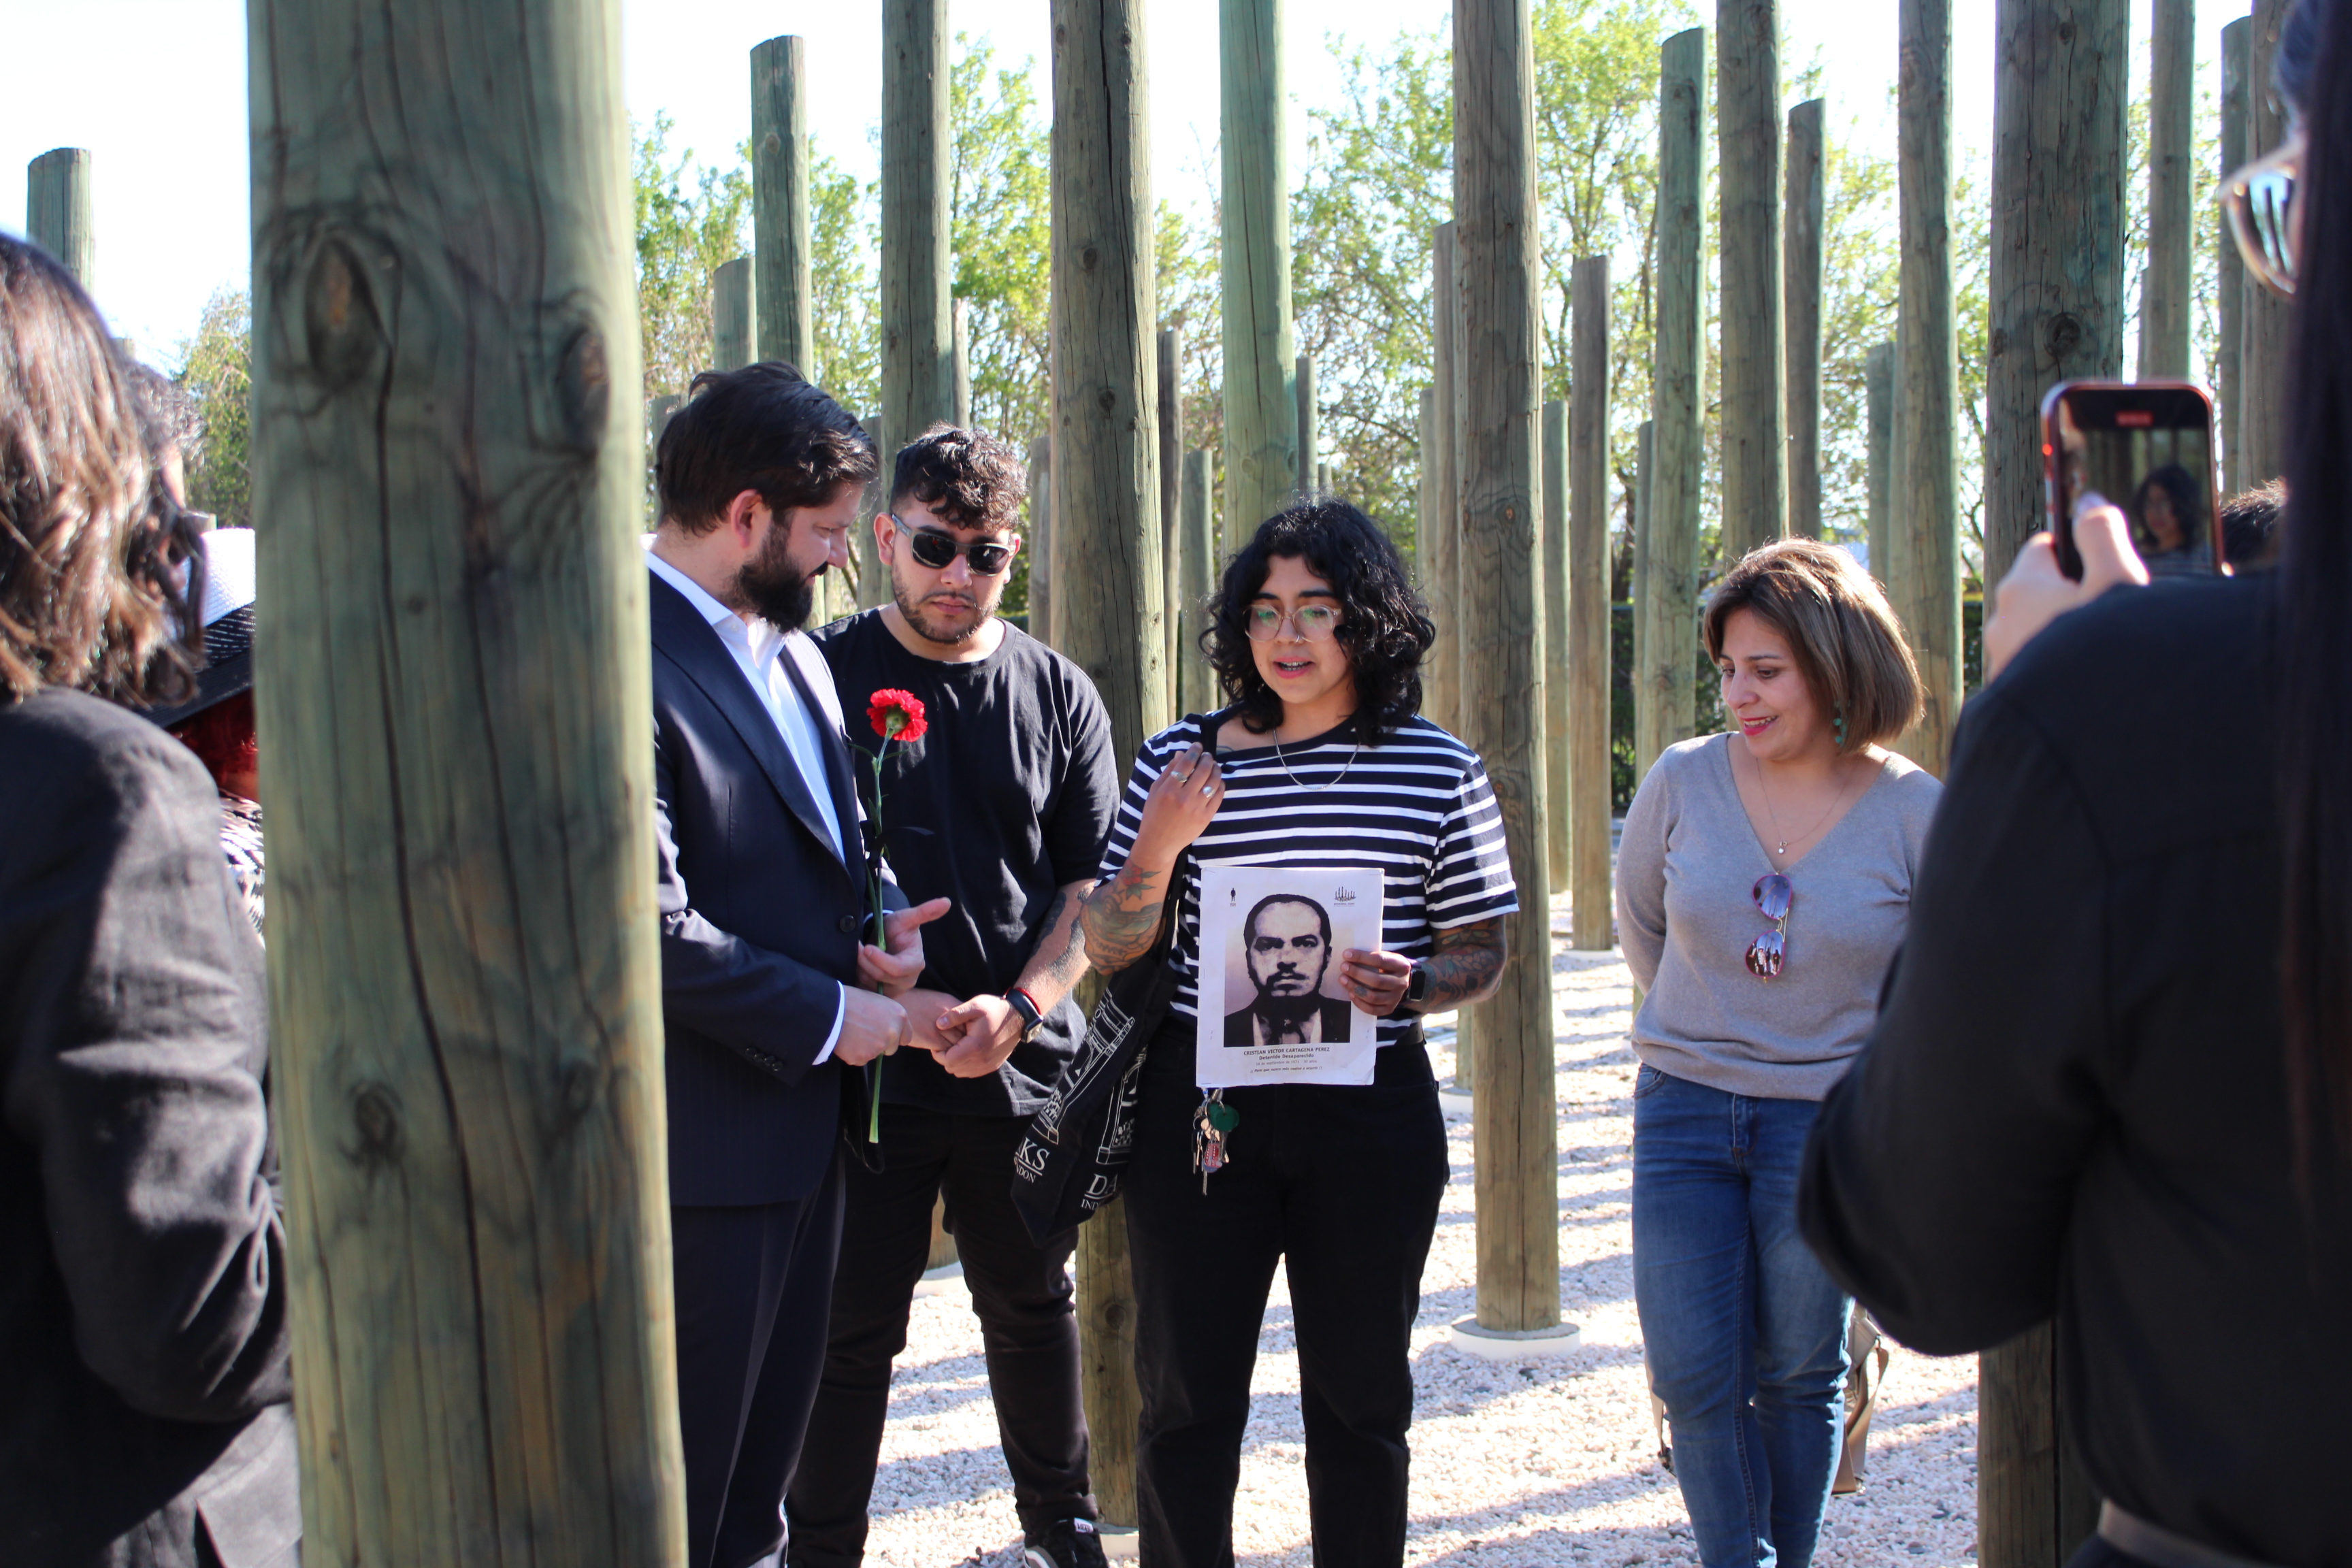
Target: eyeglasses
pixel 1313 623
pixel 937 549
pixel 2258 202
pixel 1766 952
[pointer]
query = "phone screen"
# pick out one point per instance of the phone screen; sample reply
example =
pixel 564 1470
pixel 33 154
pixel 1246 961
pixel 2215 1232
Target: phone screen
pixel 2146 447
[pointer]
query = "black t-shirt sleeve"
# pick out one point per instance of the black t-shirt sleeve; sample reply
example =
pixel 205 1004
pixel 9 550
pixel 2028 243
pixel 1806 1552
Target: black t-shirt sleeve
pixel 1940 1177
pixel 1080 823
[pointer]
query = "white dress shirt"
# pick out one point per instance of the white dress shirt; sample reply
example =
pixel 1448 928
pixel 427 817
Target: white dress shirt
pixel 757 648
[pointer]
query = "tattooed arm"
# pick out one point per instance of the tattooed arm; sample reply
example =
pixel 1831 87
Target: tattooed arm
pixel 1121 917
pixel 1060 955
pixel 1467 967
pixel 976 1036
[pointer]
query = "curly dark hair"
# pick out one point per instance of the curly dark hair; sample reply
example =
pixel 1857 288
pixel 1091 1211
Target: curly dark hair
pixel 1383 625
pixel 765 428
pixel 970 480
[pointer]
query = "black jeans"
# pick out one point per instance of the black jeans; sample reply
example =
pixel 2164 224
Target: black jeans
pixel 1344 1185
pixel 1019 1291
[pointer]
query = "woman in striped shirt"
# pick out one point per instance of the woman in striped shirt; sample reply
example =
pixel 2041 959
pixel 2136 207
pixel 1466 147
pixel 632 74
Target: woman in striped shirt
pixel 1321 763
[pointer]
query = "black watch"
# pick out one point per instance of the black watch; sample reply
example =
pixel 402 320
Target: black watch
pixel 1031 1020
pixel 1416 990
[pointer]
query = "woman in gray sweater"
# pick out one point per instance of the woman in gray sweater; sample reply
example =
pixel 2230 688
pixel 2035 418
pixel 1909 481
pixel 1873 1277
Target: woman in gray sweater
pixel 1761 890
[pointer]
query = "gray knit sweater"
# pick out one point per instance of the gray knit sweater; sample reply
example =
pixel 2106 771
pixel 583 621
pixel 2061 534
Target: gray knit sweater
pixel 1686 872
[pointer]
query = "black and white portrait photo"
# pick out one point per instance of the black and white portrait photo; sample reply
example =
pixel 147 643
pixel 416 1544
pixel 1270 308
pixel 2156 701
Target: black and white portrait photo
pixel 1286 957
pixel 1272 1008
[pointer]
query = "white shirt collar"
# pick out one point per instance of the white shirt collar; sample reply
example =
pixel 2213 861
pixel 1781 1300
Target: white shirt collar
pixel 759 636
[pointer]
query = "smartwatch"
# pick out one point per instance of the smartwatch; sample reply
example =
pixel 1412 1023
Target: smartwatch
pixel 1416 990
pixel 1031 1020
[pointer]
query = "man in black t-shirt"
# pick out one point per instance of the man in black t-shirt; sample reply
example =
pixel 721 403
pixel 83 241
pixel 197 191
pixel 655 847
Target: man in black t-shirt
pixel 1001 807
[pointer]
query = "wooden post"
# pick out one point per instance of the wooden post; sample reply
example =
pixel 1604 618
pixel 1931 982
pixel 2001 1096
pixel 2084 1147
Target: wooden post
pixel 1587 578
pixel 1928 589
pixel 1748 129
pixel 1172 509
pixel 1670 638
pixel 57 202
pixel 959 365
pixel 733 332
pixel 1878 393
pixel 918 327
pixel 1425 495
pixel 2057 270
pixel 1643 441
pixel 1442 671
pixel 1200 580
pixel 2229 352
pixel 465 975
pixel 1262 472
pixel 873 580
pixel 1802 310
pixel 1107 481
pixel 1323 477
pixel 2165 288
pixel 1559 649
pixel 1496 231
pixel 1311 428
pixel 780 201
pixel 1041 540
pixel 2263 318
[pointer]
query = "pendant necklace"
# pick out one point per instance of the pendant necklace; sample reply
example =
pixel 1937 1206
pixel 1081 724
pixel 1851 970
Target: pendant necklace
pixel 1766 789
pixel 1317 789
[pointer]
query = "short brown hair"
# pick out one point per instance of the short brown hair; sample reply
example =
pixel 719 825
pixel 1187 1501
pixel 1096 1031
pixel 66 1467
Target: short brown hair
pixel 765 428
pixel 1841 634
pixel 971 480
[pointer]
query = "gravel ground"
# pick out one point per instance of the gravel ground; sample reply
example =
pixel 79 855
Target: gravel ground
pixel 1546 1462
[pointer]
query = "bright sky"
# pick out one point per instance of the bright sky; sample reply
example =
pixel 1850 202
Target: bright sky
pixel 165 120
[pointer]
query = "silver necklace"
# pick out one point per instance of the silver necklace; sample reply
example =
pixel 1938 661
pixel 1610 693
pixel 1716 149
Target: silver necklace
pixel 1317 789
pixel 1765 785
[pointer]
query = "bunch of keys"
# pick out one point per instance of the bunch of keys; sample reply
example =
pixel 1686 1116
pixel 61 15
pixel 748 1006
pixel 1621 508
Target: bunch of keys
pixel 1211 1124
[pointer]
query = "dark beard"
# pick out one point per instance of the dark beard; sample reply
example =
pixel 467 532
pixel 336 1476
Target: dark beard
pixel 1288 1009
pixel 774 590
pixel 931 630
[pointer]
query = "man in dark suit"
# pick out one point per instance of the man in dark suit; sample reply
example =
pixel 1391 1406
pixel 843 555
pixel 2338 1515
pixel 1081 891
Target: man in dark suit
pixel 1286 942
pixel 770 998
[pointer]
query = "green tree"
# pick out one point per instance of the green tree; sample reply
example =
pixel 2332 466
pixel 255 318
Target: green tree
pixel 846 285
pixel 691 222
pixel 216 369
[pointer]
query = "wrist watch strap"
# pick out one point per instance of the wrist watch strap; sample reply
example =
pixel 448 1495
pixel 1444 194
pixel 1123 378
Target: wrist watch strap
pixel 1032 1018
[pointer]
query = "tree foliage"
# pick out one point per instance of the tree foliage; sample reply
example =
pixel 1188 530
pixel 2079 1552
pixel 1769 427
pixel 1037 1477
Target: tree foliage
pixel 216 370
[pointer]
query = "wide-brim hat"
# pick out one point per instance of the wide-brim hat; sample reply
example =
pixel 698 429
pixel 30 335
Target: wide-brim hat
pixel 224 584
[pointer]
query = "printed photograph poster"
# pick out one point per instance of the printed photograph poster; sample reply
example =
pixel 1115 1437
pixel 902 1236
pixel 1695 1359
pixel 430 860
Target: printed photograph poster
pixel 1272 1007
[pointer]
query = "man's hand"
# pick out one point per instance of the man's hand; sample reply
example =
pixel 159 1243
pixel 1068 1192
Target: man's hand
pixel 981 1034
pixel 2036 592
pixel 925 1007
pixel 894 973
pixel 871 1025
pixel 1375 982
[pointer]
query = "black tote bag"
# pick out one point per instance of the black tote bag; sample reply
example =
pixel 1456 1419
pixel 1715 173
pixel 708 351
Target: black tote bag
pixel 1070 1163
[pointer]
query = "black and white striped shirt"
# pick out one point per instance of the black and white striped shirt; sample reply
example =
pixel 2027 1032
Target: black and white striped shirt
pixel 1418 807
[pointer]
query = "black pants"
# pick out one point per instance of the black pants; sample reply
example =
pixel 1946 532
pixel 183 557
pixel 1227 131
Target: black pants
pixel 754 1285
pixel 1019 1291
pixel 1344 1184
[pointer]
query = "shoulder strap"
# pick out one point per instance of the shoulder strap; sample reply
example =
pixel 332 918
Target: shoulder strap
pixel 1180 876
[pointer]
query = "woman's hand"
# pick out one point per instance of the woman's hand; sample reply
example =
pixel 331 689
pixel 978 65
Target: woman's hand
pixel 2036 592
pixel 1184 799
pixel 1375 982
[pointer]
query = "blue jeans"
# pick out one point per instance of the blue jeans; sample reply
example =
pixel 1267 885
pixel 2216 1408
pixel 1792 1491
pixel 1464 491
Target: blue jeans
pixel 1743 1329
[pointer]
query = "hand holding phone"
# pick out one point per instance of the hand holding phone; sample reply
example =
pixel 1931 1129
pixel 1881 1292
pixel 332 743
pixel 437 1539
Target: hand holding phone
pixel 2145 449
pixel 2037 590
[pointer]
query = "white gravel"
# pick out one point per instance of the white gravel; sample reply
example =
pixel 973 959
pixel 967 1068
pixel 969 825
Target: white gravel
pixel 1546 1462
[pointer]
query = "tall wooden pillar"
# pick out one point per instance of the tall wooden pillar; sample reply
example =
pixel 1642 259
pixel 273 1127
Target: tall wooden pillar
pixel 873 577
pixel 2263 318
pixel 465 975
pixel 1878 396
pixel 2060 85
pixel 917 323
pixel 57 211
pixel 732 329
pixel 1311 428
pixel 779 202
pixel 1670 634
pixel 1559 670
pixel 1587 597
pixel 1106 460
pixel 1171 509
pixel 2231 280
pixel 1442 670
pixel 2165 288
pixel 1262 472
pixel 1202 694
pixel 1927 586
pixel 1496 223
pixel 1424 493
pixel 1801 314
pixel 959 365
pixel 1644 445
pixel 1747 128
pixel 1040 545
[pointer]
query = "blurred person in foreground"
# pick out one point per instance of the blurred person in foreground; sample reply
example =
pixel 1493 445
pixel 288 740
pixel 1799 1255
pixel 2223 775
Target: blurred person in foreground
pixel 2112 1077
pixel 142 1294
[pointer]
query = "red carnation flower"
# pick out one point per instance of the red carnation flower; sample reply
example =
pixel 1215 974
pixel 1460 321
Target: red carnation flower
pixel 897 715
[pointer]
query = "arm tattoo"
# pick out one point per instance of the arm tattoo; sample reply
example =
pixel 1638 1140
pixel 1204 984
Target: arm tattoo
pixel 1120 918
pixel 1059 958
pixel 1467 965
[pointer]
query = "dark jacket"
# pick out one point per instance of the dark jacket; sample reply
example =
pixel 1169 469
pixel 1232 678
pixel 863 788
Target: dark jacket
pixel 142 1283
pixel 2074 1100
pixel 1338 1020
pixel 759 920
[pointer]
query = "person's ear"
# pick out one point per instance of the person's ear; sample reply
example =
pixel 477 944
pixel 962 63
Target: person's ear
pixel 886 538
pixel 742 518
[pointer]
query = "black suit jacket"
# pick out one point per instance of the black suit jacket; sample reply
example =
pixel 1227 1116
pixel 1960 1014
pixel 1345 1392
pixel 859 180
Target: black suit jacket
pixel 1336 1025
pixel 142 1282
pixel 760 919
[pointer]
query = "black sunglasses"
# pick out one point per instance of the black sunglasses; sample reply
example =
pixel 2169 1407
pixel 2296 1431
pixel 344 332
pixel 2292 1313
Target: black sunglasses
pixel 936 550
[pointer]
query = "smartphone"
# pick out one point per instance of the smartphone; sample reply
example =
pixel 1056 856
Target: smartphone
pixel 2147 447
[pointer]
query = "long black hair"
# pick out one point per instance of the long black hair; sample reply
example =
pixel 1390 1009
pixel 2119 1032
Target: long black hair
pixel 2314 589
pixel 1383 625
